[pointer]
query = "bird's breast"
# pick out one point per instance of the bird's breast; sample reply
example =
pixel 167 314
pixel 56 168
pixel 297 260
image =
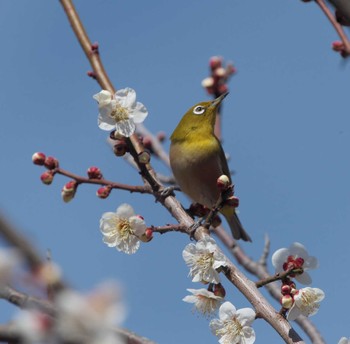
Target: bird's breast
pixel 196 167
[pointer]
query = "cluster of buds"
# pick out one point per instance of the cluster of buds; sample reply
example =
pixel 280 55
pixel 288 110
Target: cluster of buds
pixel 69 189
pixel 49 162
pixel 216 83
pixel 288 290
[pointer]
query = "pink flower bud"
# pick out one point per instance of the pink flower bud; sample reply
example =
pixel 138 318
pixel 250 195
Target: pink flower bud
pixel 91 74
pixel 144 157
pixel 94 173
pixel 219 290
pixel 103 192
pixel 299 262
pixel 223 182
pixel 147 236
pixel 51 162
pixel 285 289
pixel 222 88
pixel 69 190
pixel 287 301
pixel 94 47
pixel 208 82
pixel 220 72
pixel 215 62
pixel 338 46
pixel 47 177
pixel 38 158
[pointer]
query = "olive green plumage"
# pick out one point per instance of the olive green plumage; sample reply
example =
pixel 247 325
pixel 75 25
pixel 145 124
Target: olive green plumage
pixel 198 160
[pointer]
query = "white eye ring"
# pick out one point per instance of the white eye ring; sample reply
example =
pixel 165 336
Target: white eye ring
pixel 198 110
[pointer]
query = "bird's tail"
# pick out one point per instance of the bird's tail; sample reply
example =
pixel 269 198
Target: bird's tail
pixel 237 229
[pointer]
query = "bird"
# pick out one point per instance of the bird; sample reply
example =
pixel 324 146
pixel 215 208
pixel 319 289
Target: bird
pixel 197 160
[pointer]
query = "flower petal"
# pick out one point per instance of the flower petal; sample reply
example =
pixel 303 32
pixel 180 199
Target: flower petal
pixel 125 127
pixel 278 258
pixel 125 211
pixel 103 98
pixel 126 97
pixel 105 122
pixel 246 316
pixel 139 113
pixel 227 311
pixel 249 335
pixel 304 278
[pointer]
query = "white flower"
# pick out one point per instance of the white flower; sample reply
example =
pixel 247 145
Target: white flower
pixel 204 258
pixel 205 302
pixel 344 340
pixel 306 301
pixel 34 327
pixel 233 327
pixel 296 254
pixel 89 318
pixel 120 112
pixel 122 229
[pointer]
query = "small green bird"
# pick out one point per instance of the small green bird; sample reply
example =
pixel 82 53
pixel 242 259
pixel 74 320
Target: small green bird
pixel 198 160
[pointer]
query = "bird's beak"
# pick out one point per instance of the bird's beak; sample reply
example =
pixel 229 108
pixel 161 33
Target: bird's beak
pixel 216 102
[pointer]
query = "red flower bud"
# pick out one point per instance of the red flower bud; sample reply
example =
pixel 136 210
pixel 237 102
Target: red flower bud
pixel 161 136
pixel 69 190
pixel 216 221
pixel 232 201
pixel 199 210
pixel 219 290
pixel 51 162
pixel 285 289
pixel 38 158
pixel 223 182
pixel 47 177
pixel 215 62
pixel 103 192
pixel 94 173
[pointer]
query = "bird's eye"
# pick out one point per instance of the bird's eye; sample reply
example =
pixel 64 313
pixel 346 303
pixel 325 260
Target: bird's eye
pixel 198 110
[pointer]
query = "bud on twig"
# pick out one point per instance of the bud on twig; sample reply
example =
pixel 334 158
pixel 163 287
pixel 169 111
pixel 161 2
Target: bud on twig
pixel 38 158
pixel 47 177
pixel 103 192
pixel 51 163
pixel 69 190
pixel 94 173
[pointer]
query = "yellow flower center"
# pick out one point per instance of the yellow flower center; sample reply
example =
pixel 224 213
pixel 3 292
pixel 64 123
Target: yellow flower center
pixel 308 302
pixel 205 261
pixel 124 228
pixel 119 113
pixel 231 330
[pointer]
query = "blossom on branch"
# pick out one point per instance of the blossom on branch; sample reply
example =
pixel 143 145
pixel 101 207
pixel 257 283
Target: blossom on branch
pixel 205 301
pixel 120 112
pixel 295 257
pixel 306 302
pixel 233 326
pixel 122 229
pixel 204 258
pixel 344 340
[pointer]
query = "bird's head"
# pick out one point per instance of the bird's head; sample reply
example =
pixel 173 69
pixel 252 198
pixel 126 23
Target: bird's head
pixel 199 118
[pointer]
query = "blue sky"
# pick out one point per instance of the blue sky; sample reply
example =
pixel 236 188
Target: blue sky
pixel 286 129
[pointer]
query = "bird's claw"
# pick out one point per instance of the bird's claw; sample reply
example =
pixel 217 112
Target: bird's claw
pixel 194 228
pixel 165 192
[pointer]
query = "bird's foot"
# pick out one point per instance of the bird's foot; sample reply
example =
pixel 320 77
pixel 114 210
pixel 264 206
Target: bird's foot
pixel 165 192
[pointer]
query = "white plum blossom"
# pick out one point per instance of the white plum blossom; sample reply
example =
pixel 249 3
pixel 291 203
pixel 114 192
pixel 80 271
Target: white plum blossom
pixel 203 259
pixel 205 301
pixel 344 340
pixel 297 253
pixel 122 229
pixel 90 318
pixel 233 326
pixel 120 112
pixel 306 302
